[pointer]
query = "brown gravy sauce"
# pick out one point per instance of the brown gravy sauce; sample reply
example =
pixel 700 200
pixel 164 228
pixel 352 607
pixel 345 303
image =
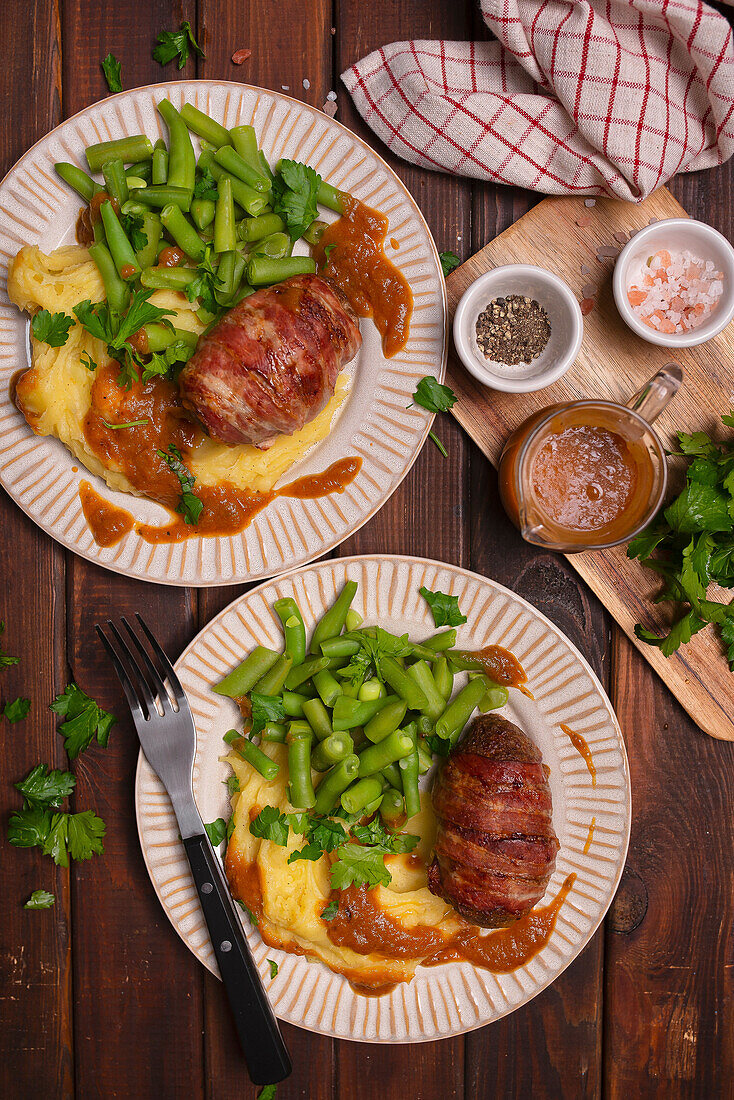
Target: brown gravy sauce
pixel 358 265
pixel 134 452
pixel 107 522
pixel 581 746
pixel 590 836
pixel 495 662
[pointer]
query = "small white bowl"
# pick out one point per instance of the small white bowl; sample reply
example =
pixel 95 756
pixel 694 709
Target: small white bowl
pixel 564 314
pixel 685 234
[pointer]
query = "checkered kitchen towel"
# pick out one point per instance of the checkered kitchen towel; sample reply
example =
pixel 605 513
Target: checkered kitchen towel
pixel 587 98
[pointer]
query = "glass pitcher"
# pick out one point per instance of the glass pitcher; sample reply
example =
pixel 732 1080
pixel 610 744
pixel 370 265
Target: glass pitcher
pixel 586 475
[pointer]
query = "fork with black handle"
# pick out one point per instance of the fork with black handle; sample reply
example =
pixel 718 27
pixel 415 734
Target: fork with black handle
pixel 165 727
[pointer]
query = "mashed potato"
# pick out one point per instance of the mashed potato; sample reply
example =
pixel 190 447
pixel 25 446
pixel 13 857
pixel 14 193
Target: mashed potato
pixel 56 393
pixel 291 897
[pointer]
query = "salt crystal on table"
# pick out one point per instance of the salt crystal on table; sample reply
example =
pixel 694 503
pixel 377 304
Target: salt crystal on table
pixel 589 202
pixel 306 84
pixel 331 95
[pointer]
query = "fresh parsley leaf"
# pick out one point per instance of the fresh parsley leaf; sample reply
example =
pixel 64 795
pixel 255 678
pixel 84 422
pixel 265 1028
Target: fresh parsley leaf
pixel 45 788
pixel 433 395
pixel 29 827
pixel 106 325
pixel 85 831
pixel 375 833
pixel 642 545
pixel 309 851
pixel 294 196
pixel 40 899
pixel 133 226
pixel 251 915
pixel 216 831
pixel 299 822
pixel 331 910
pixel 206 282
pixel 265 708
pixel 140 312
pixel 359 866
pixel 96 319
pixel 232 784
pixel 55 844
pixel 273 968
pixel 84 720
pixel 173 44
pixel 5 659
pixel 112 73
pixel 206 186
pixel 699 508
pixel 161 364
pixel 727 635
pixel 328 249
pixel 680 634
pixel 444 608
pixel 449 260
pixel 270 824
pixel 325 834
pixel 439 746
pixel 697 444
pixel 86 361
pixel 704 470
pixel 51 328
pixel 189 506
pixel 17 710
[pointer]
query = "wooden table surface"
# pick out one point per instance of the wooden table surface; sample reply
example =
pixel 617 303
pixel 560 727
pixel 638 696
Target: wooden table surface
pixel 99 996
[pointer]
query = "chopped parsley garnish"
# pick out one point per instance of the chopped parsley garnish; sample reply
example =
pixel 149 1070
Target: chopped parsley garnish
pixel 112 73
pixel 116 330
pixel 251 915
pixel 265 709
pixel 216 831
pixel 449 260
pixel 444 608
pixel 173 44
pixel 189 506
pixel 328 249
pixel 84 720
pixel 271 824
pixel 86 361
pixel 295 188
pixel 59 835
pixel 40 899
pixel 206 186
pixel 29 827
pixel 133 226
pixel 374 645
pixel 434 439
pixel 273 968
pixel 5 659
pixel 432 395
pixel 232 784
pixel 17 710
pixel 129 424
pixel 45 788
pixel 51 328
pixel 357 865
pixel 331 910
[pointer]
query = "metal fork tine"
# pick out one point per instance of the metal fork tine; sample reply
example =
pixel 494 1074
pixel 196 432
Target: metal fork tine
pixel 167 666
pixel 155 675
pixel 143 685
pixel 127 684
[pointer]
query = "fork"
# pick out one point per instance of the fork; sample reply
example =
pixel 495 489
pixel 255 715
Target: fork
pixel 165 727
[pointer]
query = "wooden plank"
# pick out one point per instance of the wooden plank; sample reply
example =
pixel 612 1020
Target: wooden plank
pixel 613 363
pixel 36 1039
pixel 288 47
pixel 138 999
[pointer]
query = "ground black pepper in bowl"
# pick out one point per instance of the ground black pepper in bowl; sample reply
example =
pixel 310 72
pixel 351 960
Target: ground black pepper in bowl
pixel 513 330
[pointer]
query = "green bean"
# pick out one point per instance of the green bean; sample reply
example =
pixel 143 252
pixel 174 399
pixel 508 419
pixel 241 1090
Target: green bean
pixel 371 689
pixel 98 231
pixel 204 126
pixel 142 169
pixel 300 790
pixel 183 232
pixel 256 229
pixel 244 140
pixel 135 181
pixel 443 677
pixel 225 277
pixel 392 774
pixel 331 750
pixel 152 228
pixel 361 794
pixel 354 619
pixel 274 732
pixel 272 682
pixel 421 674
pixel 128 149
pixel 116 290
pixel 181 158
pixel 409 769
pixel 339 647
pixel 334 783
pixel 372 807
pixel 231 161
pixel 300 673
pixel 83 184
pixel 161 195
pixel 262 271
pixel 259 760
pixel 160 337
pixel 293 704
pixel 287 609
pixel 268 171
pixel 460 709
pixel 496 696
pixel 254 202
pixel 276 247
pixel 331 623
pixel 400 682
pixel 244 292
pixel 349 689
pixel 331 197
pixel 202 212
pixel 392 808
pixel 120 248
pixel 425 758
pixel 241 680
pixel 315 232
pixel 317 717
pixel 224 234
pixel 159 164
pixel 424 725
pixel 115 180
pixel 445 639
pixel 328 688
pixel 386 721
pixel 349 713
pixel 168 278
pixel 387 751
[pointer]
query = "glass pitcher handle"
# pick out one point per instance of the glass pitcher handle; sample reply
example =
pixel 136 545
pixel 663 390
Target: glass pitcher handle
pixel 650 401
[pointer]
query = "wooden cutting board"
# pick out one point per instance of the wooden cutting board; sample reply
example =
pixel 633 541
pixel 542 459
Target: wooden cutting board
pixel 564 235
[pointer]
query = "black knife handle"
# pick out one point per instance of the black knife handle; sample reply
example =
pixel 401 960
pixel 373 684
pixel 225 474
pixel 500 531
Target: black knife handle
pixel 265 1052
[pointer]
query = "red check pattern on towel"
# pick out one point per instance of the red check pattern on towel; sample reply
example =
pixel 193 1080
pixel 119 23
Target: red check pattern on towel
pixel 588 98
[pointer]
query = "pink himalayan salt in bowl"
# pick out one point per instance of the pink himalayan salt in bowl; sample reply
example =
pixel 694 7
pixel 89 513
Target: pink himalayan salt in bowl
pixel 674 283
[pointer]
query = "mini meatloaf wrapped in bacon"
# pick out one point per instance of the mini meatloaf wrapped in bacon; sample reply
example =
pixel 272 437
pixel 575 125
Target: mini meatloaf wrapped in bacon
pixel 495 847
pixel 270 365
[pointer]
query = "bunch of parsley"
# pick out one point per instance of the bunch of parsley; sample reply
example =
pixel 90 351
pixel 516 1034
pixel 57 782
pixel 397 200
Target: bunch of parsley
pixel 693 544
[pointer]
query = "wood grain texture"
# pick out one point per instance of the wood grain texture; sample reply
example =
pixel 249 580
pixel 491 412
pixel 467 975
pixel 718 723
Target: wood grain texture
pixel 613 364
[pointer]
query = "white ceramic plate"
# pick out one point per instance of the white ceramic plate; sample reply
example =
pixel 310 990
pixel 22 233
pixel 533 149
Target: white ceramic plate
pixel 449 999
pixel 373 423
